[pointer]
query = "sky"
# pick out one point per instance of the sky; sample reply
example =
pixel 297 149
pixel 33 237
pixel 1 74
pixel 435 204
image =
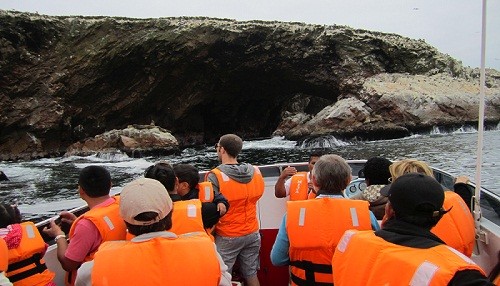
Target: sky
pixel 452 26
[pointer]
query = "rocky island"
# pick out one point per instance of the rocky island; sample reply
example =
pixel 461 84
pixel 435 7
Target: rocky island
pixel 68 84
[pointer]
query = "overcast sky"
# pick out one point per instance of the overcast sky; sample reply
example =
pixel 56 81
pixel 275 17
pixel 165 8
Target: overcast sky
pixel 452 26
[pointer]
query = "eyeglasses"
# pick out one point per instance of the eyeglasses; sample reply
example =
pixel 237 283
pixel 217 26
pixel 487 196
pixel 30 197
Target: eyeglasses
pixel 216 146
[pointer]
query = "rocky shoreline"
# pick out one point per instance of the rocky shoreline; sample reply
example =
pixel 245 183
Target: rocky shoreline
pixel 74 84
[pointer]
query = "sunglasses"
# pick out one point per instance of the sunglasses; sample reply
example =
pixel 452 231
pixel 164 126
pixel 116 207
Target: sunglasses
pixel 217 146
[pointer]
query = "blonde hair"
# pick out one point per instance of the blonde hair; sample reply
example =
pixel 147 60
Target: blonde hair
pixel 402 167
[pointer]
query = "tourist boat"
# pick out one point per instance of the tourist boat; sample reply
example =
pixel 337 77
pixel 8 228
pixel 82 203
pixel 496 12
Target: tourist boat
pixel 271 210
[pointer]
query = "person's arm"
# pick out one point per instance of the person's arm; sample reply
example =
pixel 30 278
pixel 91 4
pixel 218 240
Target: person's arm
pixel 62 245
pixel 83 276
pixel 374 222
pixel 280 251
pixel 220 199
pixel 463 190
pixel 225 277
pixel 4 281
pixel 279 187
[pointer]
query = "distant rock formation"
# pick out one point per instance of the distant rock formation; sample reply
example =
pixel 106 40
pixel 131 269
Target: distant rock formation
pixel 66 79
pixel 135 140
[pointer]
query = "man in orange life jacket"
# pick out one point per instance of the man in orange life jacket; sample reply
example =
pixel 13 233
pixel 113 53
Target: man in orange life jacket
pixel 101 223
pixel 187 214
pixel 405 252
pixel 155 256
pixel 310 229
pixel 188 188
pixel 300 182
pixel 237 233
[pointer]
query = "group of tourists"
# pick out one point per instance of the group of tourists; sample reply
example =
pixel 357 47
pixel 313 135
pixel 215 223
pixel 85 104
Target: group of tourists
pixel 426 235
pixel 170 220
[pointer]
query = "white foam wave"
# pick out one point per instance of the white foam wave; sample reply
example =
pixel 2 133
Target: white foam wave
pixel 277 142
pixel 323 142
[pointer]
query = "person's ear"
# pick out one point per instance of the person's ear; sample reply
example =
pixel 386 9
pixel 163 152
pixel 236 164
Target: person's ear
pixel 389 211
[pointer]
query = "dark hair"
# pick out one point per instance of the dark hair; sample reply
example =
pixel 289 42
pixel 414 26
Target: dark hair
pixel 376 170
pixel 315 153
pixel 162 172
pixel 9 215
pixel 95 181
pixel 163 224
pixel 187 173
pixel 232 144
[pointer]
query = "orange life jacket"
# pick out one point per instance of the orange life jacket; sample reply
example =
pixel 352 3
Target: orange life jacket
pixel 108 222
pixel 189 259
pixel 362 258
pixel 186 217
pixel 314 227
pixel 26 266
pixel 241 218
pixel 298 186
pixel 4 256
pixel 311 195
pixel 205 192
pixel 456 228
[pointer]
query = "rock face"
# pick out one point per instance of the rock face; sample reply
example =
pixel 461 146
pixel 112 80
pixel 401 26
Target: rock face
pixel 66 79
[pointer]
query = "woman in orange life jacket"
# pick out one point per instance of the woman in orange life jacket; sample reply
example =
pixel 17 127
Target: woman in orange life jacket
pixel 25 249
pixel 456 228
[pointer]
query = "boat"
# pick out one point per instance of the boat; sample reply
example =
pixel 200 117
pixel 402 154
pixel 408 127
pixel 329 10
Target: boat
pixel 271 210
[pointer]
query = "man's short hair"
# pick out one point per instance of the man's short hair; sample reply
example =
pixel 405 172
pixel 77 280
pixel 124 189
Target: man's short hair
pixel 95 181
pixel 162 172
pixel 187 173
pixel 376 170
pixel 162 225
pixel 332 173
pixel 315 153
pixel 232 144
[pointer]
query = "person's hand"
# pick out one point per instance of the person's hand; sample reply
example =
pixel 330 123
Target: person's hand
pixel 53 230
pixel 462 179
pixel 221 208
pixel 288 171
pixel 67 217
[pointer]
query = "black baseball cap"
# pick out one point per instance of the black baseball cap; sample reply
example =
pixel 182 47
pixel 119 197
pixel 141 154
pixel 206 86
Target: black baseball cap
pixel 416 194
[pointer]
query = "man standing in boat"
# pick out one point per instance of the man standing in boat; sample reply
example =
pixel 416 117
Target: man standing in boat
pixel 101 223
pixel 300 183
pixel 310 229
pixel 405 251
pixel 237 233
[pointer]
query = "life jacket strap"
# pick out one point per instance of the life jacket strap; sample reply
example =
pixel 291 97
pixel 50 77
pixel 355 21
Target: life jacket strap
pixel 38 268
pixel 310 268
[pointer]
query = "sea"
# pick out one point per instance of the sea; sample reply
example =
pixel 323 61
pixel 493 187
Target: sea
pixel 43 187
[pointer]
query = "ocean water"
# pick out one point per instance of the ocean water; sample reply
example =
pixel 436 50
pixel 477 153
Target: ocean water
pixel 39 183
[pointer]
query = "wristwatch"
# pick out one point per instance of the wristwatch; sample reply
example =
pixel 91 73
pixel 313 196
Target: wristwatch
pixel 59 236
